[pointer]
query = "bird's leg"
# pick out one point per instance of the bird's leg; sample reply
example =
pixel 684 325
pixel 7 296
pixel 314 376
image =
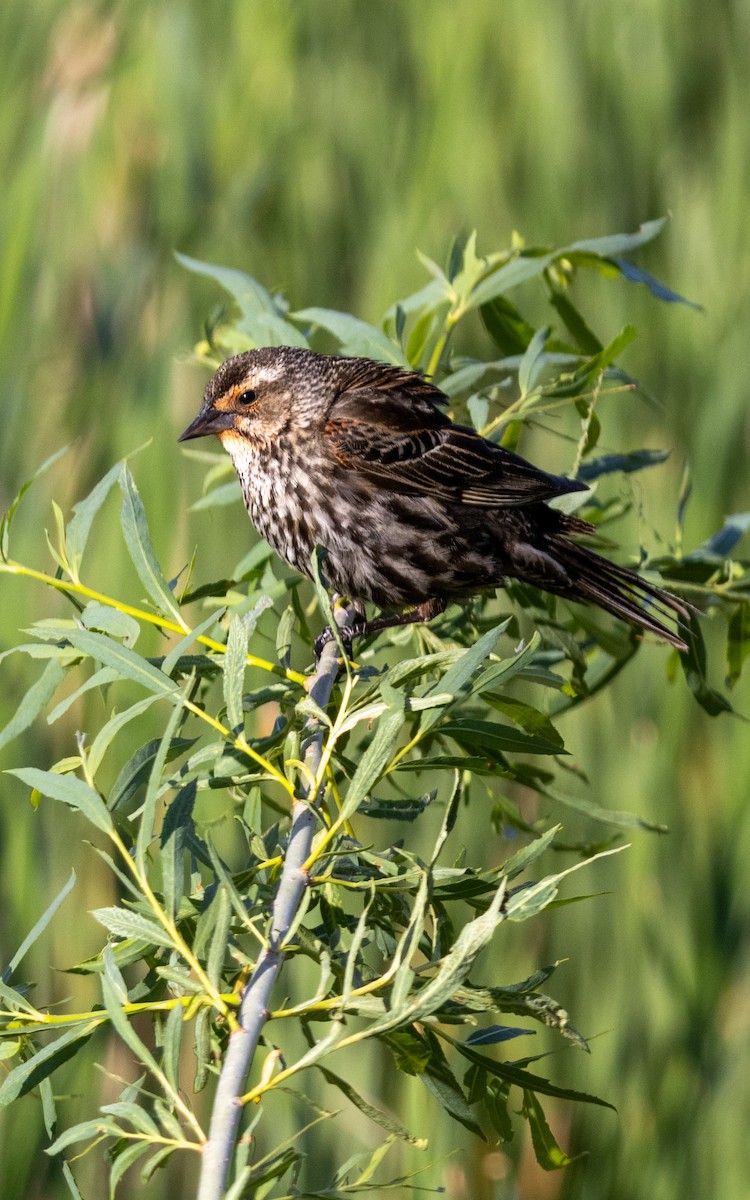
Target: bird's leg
pixel 422 613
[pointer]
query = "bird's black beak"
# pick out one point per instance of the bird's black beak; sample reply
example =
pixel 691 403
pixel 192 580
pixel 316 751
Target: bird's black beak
pixel 211 421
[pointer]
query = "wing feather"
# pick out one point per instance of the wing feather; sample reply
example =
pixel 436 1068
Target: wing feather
pixel 398 439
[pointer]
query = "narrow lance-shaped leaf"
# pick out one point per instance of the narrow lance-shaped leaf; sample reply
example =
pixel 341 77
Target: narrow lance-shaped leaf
pixel 39 694
pixel 141 550
pixel 137 769
pixel 146 827
pixel 111 621
pixel 69 790
pixel 532 361
pixel 79 526
pixel 355 335
pixel 108 733
pixel 234 672
pixel 694 666
pixel 39 928
pixel 738 642
pixel 171 659
pixel 126 662
pixel 655 286
pixel 126 924
pixel 548 1154
pixel 28 1075
pixel 459 674
pixel 439 1079
pixel 385 1120
pixel 373 762
pixel 7 518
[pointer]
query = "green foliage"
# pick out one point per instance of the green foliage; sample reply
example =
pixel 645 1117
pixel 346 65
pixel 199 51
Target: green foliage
pixel 389 944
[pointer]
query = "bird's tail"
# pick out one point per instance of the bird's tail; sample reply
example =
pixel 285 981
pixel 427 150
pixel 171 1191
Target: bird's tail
pixel 595 580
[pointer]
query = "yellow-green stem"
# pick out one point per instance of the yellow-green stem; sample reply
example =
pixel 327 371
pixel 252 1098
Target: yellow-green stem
pixel 140 614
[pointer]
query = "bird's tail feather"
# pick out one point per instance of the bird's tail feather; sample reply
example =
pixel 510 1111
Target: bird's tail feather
pixel 619 591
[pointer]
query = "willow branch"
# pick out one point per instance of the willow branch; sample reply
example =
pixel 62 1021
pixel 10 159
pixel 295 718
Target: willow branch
pixel 255 1002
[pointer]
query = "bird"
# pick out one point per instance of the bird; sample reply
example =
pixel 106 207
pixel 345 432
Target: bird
pixel 413 510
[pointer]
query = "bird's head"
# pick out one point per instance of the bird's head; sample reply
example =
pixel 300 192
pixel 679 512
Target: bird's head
pixel 258 395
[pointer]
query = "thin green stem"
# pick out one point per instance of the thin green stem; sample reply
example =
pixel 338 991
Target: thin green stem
pixel 79 589
pixel 170 928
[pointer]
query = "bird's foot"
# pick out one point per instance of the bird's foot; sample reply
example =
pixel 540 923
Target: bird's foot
pixel 362 628
pixel 347 637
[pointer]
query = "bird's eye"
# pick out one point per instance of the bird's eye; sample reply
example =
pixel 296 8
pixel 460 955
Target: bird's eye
pixel 247 397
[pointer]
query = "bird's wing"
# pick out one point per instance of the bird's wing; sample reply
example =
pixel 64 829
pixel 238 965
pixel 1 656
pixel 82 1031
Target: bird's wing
pixel 404 444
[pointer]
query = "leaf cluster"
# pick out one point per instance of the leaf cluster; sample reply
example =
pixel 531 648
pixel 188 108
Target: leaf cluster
pixel 388 945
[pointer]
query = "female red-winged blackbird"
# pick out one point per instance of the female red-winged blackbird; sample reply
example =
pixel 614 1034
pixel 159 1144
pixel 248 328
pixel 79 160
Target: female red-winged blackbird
pixel 413 511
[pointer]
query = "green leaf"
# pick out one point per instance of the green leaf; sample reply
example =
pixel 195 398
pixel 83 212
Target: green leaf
pixel 124 1158
pixel 109 731
pixel 127 663
pixel 522 1078
pixel 406 809
pixel 373 762
pixel 15 1000
pixel 497 740
pixel 506 668
pixel 39 928
pixel 140 548
pixel 110 620
pixel 491 1035
pixel 218 497
pixel 157 1160
pixel 262 313
pixel 574 322
pixel 284 632
pixel 165 751
pixel 356 337
pixel 178 825
pixel 70 1180
pixel 607 816
pixel 126 924
pixel 722 543
pixel 510 275
pixel 548 1154
pixel 234 672
pixel 442 1083
pixel 738 642
pixel 660 290
pixel 84 1131
pixel 618 243
pixel 171 1046
pixel 607 464
pixel 114 975
pixel 524 857
pixel 505 325
pixel 532 263
pixel 458 675
pixel 99 679
pixel 139 766
pixel 69 790
pixel 28 1075
pixel 694 667
pixel 525 902
pixel 7 518
pixel 218 947
pixel 532 362
pixel 251 296
pixel 38 695
pixel 531 720
pixel 79 526
pixel 387 1122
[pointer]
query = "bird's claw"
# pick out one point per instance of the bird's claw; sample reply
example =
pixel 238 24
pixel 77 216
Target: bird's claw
pixel 347 637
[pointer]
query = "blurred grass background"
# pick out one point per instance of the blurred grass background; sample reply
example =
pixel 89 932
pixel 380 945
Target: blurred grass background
pixel 315 146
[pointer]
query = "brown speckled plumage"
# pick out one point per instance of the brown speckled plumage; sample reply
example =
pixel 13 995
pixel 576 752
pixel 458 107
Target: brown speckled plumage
pixel 413 510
